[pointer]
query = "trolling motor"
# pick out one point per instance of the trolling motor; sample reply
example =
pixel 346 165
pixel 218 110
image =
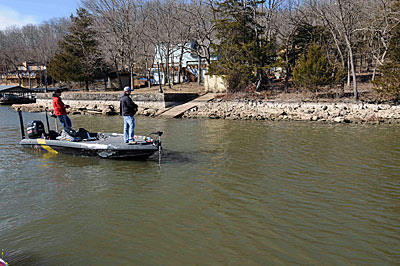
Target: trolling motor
pixel 158 143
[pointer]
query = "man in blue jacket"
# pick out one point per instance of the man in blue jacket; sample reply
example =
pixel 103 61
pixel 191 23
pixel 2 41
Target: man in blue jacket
pixel 127 110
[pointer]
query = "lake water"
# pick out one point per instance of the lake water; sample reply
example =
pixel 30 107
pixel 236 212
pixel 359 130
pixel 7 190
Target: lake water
pixel 226 193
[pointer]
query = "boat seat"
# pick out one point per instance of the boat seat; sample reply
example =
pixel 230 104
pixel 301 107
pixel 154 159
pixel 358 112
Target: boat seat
pixel 52 135
pixel 86 135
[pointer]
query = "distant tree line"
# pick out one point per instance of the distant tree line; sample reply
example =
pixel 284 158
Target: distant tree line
pixel 319 43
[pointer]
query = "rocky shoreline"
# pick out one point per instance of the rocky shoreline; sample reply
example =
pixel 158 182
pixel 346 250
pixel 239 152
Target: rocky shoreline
pixel 329 112
pixel 245 109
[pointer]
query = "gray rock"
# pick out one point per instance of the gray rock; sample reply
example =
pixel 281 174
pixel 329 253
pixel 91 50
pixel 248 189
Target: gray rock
pixel 338 119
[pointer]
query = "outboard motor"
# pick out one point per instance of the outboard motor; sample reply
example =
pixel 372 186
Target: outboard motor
pixel 35 129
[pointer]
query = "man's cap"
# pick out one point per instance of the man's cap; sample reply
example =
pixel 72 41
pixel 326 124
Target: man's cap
pixel 58 90
pixel 127 88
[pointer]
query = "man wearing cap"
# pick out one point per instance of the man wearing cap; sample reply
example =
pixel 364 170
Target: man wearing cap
pixel 60 109
pixel 127 110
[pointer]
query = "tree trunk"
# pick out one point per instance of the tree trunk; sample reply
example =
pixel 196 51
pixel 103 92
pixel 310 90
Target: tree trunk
pixel 180 64
pixel 348 73
pixel 148 74
pixel 45 80
pixel 119 80
pixel 173 70
pixel 167 66
pixel 373 74
pixel 199 70
pixel 353 71
pixel 132 78
pixel 87 84
pixel 287 68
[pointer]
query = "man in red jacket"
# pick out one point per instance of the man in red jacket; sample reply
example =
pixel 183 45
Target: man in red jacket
pixel 60 109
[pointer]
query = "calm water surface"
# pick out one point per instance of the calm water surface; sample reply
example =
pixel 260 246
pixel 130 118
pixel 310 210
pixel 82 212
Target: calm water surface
pixel 226 193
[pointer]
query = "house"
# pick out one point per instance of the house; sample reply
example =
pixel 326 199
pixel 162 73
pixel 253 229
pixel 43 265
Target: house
pixel 185 56
pixel 28 75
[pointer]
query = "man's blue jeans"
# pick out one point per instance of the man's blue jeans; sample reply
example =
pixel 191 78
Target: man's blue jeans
pixel 129 128
pixel 65 121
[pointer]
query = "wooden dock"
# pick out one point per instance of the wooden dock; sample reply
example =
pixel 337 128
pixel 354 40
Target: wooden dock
pixel 180 109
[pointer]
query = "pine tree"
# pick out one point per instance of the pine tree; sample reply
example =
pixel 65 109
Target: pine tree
pixel 313 70
pixel 243 50
pixel 78 59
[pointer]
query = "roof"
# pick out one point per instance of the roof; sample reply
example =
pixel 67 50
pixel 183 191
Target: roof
pixel 44 89
pixel 13 88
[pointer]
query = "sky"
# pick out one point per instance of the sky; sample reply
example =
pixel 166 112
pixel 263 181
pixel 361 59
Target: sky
pixel 22 12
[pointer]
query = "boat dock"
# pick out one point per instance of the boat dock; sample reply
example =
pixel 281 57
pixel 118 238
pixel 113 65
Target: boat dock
pixel 180 109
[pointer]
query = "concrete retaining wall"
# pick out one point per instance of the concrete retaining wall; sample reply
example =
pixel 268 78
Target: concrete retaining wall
pixel 215 84
pixel 107 103
pixel 158 101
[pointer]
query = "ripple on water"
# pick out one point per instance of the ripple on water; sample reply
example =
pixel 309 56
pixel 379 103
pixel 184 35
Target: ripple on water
pixel 227 192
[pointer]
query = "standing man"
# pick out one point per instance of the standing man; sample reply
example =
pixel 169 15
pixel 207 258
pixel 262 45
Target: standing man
pixel 127 110
pixel 60 109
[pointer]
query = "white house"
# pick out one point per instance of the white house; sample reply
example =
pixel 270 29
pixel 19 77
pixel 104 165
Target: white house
pixel 184 55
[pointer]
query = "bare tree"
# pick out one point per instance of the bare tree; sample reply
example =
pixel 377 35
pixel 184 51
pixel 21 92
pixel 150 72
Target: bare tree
pixel 13 51
pixel 271 10
pixel 202 14
pixel 161 30
pixel 344 18
pixel 285 23
pixel 121 23
pixel 384 18
pixel 49 34
pixel 33 43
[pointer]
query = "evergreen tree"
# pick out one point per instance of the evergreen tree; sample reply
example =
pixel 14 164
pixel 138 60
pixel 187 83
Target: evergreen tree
pixel 243 50
pixel 313 70
pixel 78 59
pixel 388 83
pixel 305 36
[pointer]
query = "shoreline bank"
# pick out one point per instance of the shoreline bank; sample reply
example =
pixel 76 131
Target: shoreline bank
pixel 330 112
pixel 239 109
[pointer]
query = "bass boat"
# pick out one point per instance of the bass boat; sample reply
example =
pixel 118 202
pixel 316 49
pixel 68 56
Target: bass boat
pixel 84 143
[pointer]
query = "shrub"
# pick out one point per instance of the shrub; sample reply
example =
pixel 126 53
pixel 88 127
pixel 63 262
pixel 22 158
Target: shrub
pixel 314 70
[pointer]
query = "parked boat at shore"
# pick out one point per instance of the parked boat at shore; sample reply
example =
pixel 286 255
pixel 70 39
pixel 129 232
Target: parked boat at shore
pixel 16 95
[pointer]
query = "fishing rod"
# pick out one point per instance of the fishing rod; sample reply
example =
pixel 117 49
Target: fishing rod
pixel 47 121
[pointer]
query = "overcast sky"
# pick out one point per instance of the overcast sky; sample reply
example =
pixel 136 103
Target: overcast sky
pixel 22 12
